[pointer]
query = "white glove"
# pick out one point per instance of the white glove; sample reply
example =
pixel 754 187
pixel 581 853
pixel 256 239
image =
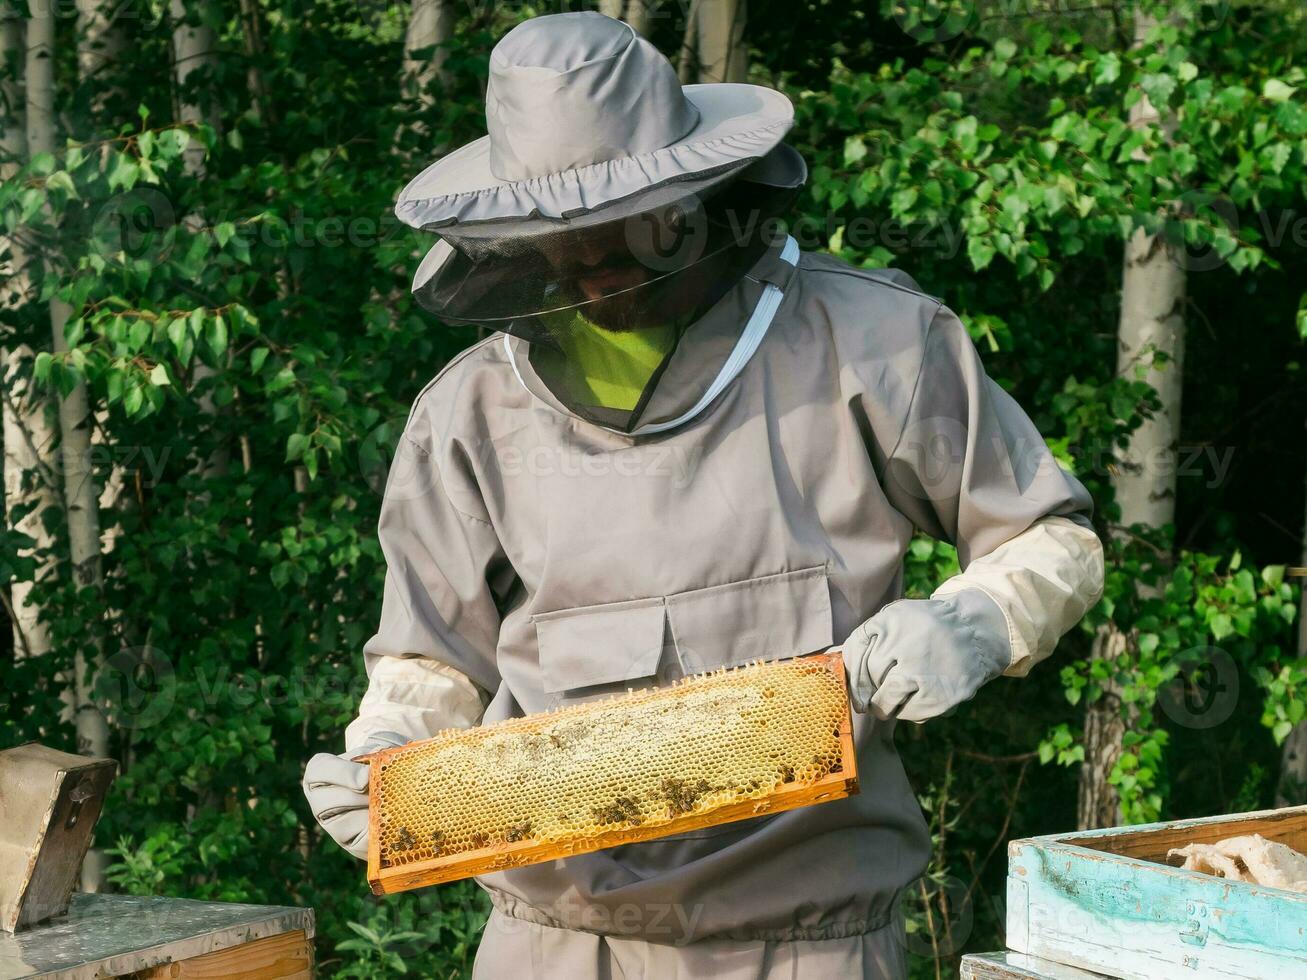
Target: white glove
pixel 337 790
pixel 917 658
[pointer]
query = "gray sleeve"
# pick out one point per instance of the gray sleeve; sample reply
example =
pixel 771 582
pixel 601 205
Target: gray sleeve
pixel 445 571
pixel 969 466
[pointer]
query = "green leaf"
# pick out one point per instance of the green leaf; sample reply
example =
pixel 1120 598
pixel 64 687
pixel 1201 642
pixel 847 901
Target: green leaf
pixel 172 142
pixel 1277 91
pixel 1221 626
pixel 980 252
pixel 296 445
pixel 74 330
pixel 1107 69
pixel 1158 88
pixel 177 333
pixel 902 200
pixel 854 150
pixel 113 384
pixel 138 335
pixel 62 182
pixel 216 334
pixel 159 375
pixel 124 173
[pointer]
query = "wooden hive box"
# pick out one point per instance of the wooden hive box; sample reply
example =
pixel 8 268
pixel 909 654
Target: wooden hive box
pixel 708 750
pixel 1106 900
pixel 49 804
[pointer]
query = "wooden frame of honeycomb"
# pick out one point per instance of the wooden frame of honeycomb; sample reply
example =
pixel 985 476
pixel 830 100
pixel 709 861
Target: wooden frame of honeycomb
pixel 743 742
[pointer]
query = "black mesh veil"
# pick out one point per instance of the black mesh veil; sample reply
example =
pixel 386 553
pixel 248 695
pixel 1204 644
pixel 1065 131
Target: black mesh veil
pixel 606 301
pixel 625 272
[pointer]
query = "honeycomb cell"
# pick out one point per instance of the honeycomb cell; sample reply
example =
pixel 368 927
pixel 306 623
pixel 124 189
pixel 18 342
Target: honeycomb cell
pixel 644 759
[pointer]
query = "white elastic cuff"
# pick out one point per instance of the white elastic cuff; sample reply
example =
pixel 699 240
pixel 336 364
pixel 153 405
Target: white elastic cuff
pixel 415 697
pixel 1044 579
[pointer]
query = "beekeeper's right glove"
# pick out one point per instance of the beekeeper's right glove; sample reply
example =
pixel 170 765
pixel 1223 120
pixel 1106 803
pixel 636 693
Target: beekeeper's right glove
pixel 337 790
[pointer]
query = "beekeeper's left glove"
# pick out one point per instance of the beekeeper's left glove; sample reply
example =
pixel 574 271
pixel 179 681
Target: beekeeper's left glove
pixel 917 658
pixel 337 790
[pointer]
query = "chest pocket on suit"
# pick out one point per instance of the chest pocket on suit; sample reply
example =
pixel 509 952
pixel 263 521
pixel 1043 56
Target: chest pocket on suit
pixel 592 650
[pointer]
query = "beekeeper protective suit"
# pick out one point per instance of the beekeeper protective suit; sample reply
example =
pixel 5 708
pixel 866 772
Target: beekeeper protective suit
pixel 688 445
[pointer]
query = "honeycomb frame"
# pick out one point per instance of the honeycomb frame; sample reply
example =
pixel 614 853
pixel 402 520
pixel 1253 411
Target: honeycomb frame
pixel 386 876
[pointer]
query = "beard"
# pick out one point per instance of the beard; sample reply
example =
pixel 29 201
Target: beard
pixel 622 312
pixel 644 301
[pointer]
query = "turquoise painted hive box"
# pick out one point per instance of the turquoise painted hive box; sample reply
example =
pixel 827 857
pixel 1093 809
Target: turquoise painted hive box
pixel 1106 900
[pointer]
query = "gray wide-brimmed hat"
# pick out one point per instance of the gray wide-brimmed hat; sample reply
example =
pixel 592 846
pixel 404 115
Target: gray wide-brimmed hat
pixel 584 115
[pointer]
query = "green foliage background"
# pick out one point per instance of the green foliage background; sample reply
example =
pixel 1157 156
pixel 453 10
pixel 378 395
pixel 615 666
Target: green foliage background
pixel 253 363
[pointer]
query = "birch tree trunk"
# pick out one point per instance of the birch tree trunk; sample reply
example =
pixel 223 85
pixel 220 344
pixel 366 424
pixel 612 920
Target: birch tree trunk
pixel 28 432
pixel 1150 334
pixel 687 61
pixel 1292 788
pixel 29 440
pixel 639 14
pixel 723 55
pixel 252 36
pixel 430 26
pixel 194 48
pixel 101 41
pixel 80 497
pixel 101 44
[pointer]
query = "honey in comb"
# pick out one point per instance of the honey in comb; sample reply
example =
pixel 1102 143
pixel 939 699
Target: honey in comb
pixel 590 775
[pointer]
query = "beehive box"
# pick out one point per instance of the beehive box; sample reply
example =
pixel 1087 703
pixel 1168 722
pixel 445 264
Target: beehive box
pixel 50 802
pixel 1106 900
pixel 710 749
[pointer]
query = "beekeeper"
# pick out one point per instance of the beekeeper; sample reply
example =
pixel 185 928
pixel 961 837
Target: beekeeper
pixel 687 445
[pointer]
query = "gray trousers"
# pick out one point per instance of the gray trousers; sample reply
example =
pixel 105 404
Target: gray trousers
pixel 512 949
